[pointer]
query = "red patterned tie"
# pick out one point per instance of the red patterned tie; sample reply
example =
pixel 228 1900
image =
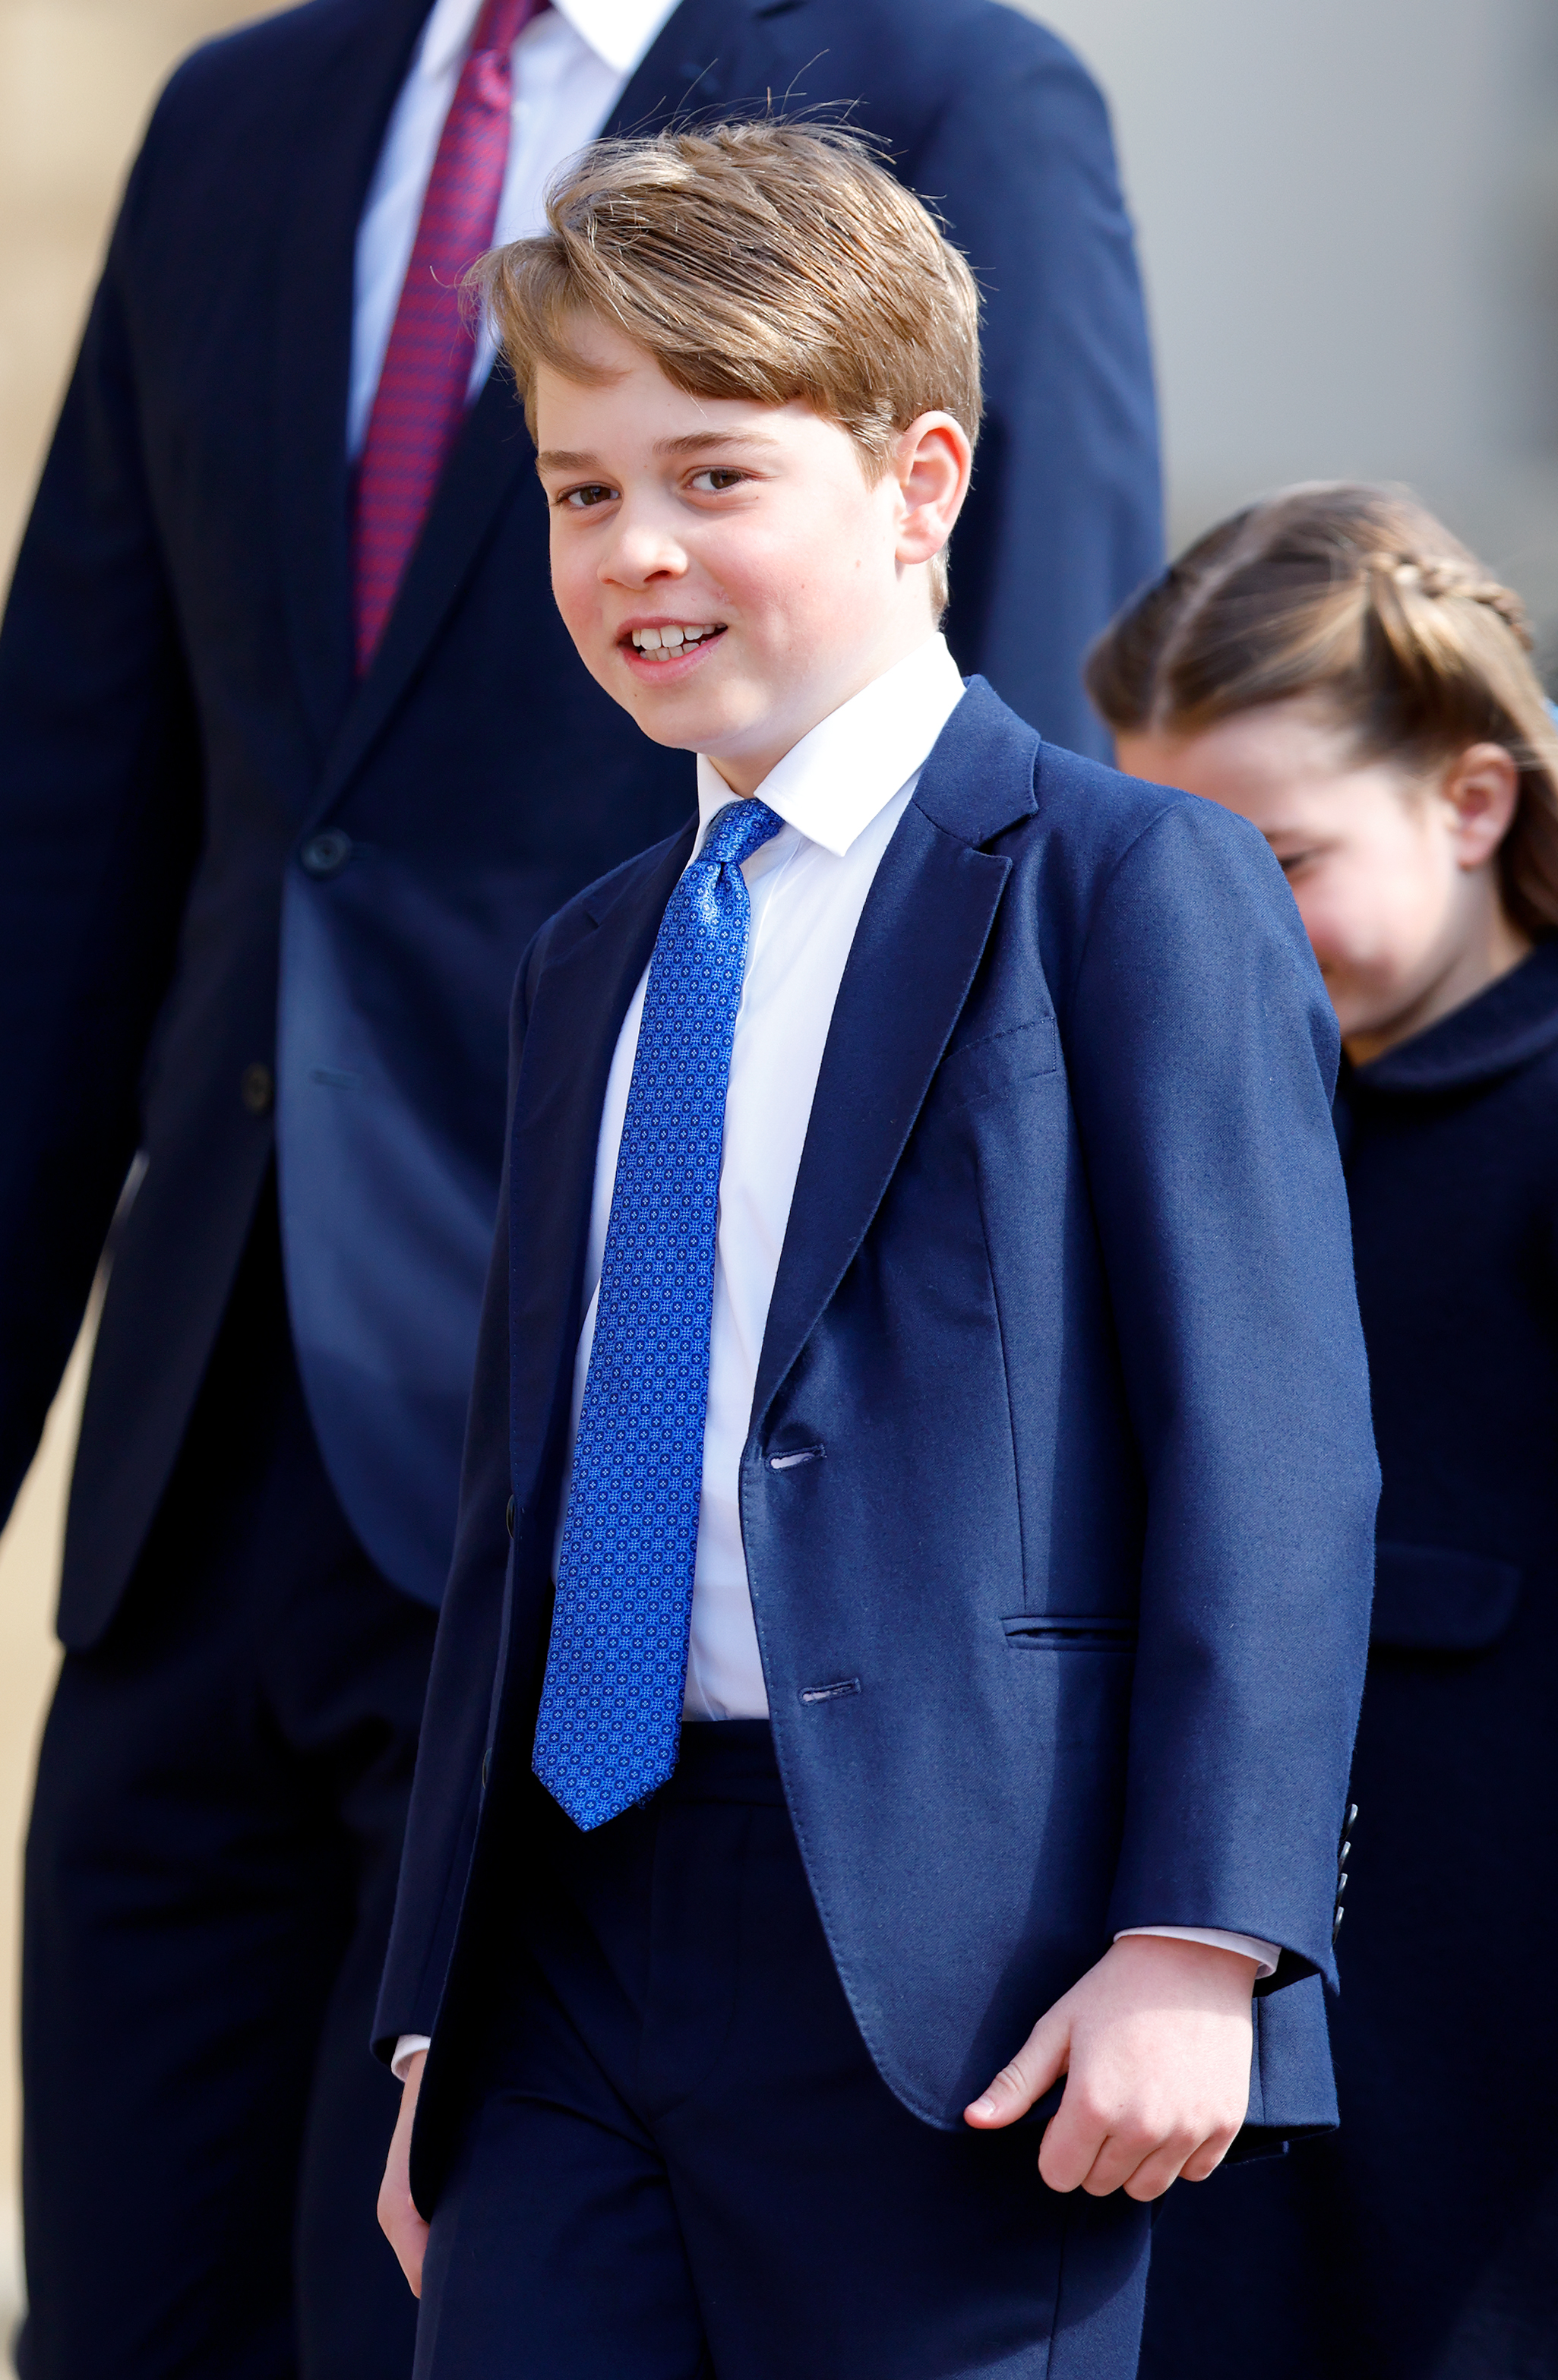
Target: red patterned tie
pixel 421 394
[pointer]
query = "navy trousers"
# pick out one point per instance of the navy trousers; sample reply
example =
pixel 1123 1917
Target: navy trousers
pixel 211 1869
pixel 680 2162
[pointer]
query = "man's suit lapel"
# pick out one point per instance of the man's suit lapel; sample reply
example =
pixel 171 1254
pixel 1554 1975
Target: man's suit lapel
pixel 570 1039
pixel 493 455
pixel 352 99
pixel 917 949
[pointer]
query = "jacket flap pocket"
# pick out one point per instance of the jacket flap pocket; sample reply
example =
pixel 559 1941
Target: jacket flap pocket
pixel 1054 1631
pixel 980 1070
pixel 1433 1599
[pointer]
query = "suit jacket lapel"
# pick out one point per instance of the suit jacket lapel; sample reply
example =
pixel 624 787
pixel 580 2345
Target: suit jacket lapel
pixel 352 98
pixel 492 455
pixel 916 952
pixel 570 1039
pixel 706 53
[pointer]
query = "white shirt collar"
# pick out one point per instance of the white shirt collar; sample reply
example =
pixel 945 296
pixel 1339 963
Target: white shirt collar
pixel 831 784
pixel 619 32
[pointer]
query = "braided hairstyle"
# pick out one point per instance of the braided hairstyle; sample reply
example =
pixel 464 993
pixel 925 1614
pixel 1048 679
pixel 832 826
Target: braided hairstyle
pixel 1354 597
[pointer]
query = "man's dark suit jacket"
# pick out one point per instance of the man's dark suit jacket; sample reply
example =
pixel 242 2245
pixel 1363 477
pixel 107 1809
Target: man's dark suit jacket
pixel 1064 1624
pixel 228 870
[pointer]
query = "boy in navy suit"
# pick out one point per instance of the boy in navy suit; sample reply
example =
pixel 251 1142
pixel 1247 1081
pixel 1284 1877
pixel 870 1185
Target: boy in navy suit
pixel 922 1380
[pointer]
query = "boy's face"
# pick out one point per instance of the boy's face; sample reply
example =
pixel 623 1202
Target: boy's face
pixel 725 568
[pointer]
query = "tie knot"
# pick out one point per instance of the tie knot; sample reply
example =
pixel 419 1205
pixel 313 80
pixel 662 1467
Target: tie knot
pixel 500 25
pixel 737 830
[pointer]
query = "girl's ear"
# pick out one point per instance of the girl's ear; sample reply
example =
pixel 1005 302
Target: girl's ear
pixel 1482 788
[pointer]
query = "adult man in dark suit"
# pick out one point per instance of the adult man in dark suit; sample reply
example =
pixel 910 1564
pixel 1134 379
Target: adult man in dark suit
pixel 296 759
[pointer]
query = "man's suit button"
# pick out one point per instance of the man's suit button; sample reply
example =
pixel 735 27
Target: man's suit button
pixel 327 853
pixel 1336 1921
pixel 508 1516
pixel 257 1088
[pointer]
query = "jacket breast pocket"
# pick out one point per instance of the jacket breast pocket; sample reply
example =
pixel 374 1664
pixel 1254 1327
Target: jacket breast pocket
pixel 984 1069
pixel 1432 1598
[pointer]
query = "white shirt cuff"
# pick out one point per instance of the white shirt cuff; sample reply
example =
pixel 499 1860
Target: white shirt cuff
pixel 408 2046
pixel 1265 1954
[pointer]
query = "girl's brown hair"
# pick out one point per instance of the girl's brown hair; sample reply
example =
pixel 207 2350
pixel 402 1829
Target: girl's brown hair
pixel 1357 598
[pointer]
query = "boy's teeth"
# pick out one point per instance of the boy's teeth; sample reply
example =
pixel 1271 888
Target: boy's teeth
pixel 654 640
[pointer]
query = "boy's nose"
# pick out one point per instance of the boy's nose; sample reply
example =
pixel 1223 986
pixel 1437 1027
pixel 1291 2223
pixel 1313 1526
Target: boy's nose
pixel 642 552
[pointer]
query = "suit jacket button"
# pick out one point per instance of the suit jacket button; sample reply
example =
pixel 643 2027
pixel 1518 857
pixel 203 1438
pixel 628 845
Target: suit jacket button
pixel 257 1088
pixel 1336 1921
pixel 327 853
pixel 508 1516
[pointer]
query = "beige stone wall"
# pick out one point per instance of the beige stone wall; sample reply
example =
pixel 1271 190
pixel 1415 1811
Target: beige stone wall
pixel 77 78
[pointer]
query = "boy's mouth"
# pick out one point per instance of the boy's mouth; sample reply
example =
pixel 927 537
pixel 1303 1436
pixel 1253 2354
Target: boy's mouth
pixel 671 641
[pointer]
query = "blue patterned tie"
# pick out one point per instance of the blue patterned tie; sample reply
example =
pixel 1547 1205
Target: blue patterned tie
pixel 611 1706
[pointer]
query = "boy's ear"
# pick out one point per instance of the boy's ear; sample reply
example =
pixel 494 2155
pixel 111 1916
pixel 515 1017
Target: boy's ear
pixel 1482 787
pixel 931 463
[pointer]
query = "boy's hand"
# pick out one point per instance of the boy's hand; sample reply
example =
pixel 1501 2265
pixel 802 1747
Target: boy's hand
pixel 1155 2045
pixel 398 2220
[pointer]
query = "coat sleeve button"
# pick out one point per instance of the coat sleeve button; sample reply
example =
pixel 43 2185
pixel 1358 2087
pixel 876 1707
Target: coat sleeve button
pixel 326 854
pixel 257 1088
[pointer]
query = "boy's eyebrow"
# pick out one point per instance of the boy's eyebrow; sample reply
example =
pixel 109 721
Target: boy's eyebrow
pixel 565 459
pixel 692 440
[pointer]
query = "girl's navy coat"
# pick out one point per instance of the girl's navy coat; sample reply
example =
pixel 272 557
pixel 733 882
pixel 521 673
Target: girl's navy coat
pixel 1424 2240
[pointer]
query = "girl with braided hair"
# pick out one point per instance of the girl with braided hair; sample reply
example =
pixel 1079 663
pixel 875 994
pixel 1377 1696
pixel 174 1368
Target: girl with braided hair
pixel 1335 666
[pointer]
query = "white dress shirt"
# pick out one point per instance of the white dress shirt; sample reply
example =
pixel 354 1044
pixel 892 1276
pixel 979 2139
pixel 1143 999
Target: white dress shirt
pixel 571 65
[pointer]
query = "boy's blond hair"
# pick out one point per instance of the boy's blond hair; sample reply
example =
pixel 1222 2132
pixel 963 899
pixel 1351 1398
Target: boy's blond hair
pixel 753 259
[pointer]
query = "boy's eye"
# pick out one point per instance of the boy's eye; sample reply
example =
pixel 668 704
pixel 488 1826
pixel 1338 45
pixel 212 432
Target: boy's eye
pixel 581 499
pixel 716 480
pixel 1290 862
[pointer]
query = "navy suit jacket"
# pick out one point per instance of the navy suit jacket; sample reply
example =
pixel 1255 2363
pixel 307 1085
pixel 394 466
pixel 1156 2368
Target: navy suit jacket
pixel 228 867
pixel 1064 1625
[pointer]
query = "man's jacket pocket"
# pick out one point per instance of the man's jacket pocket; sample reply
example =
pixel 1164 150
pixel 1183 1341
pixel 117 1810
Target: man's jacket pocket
pixel 1432 1598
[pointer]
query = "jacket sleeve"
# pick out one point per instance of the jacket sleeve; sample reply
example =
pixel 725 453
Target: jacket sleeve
pixel 100 806
pixel 1202 1053
pixel 1065 517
